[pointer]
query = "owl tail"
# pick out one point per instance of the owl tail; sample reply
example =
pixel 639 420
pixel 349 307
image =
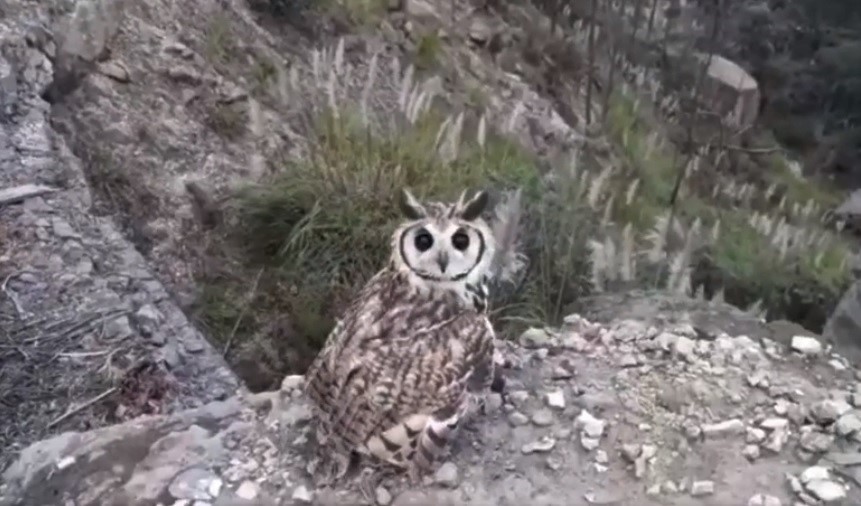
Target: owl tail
pixel 415 443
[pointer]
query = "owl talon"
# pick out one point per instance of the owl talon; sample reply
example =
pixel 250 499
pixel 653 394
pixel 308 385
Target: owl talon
pixel 330 470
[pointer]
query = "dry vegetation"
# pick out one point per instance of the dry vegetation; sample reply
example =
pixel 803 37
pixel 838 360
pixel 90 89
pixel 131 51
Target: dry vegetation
pixel 700 216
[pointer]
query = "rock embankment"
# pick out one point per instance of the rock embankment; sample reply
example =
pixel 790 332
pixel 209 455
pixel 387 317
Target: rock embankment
pixel 627 413
pixel 83 320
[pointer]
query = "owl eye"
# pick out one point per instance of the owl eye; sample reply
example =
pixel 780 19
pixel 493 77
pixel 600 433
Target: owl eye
pixel 423 240
pixel 460 240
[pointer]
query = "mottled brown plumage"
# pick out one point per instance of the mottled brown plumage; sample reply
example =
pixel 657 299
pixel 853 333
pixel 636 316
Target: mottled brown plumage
pixel 414 350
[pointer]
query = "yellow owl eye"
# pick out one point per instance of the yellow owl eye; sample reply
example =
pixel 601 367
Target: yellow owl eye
pixel 423 240
pixel 460 240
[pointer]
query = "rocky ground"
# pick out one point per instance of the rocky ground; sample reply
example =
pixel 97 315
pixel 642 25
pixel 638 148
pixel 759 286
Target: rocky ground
pixel 622 413
pixel 88 335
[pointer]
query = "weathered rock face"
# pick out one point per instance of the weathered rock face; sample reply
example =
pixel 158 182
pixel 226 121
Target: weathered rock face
pixel 731 92
pixel 82 315
pixel 622 413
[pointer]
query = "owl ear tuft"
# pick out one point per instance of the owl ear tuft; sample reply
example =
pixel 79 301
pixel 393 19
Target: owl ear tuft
pixel 410 206
pixel 472 208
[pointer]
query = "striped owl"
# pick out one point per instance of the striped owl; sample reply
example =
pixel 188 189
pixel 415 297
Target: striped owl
pixel 413 354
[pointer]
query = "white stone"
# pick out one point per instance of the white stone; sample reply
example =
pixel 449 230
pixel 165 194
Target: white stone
pixel 734 426
pixel 685 347
pixel 589 443
pixel 383 496
pixel 806 345
pixel 447 475
pixel 248 490
pixel 774 423
pixel 826 490
pixel 215 487
pixel 701 488
pixel 591 426
pixel 764 500
pixel 556 399
pixel 755 435
pixel 814 473
pixel 848 424
pixel 65 462
pixel 292 382
pixel 302 494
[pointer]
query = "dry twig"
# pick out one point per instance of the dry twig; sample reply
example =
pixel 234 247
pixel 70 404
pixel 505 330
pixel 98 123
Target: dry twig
pixel 245 307
pixel 72 410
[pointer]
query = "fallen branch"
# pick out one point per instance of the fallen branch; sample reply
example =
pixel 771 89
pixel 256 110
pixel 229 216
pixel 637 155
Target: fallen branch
pixel 251 293
pixel 17 194
pixel 77 409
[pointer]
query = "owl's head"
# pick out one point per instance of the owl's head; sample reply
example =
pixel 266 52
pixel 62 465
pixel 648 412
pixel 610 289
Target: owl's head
pixel 444 243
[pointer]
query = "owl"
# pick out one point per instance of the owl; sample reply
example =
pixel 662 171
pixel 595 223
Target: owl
pixel 413 355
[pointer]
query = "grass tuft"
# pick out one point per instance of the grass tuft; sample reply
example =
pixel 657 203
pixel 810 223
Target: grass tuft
pixel 321 227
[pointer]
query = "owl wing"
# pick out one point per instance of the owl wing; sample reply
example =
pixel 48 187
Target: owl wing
pixel 398 393
pixel 448 363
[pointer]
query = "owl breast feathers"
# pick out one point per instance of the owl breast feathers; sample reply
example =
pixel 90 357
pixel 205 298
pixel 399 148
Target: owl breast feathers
pixel 399 371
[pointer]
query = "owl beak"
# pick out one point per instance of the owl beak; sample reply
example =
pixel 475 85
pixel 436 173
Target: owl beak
pixel 442 261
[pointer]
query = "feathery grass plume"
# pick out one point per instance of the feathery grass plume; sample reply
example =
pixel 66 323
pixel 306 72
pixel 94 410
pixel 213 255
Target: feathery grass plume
pixel 700 293
pixel 608 212
pixel 316 67
pixel 255 118
pixel 481 134
pixel 596 188
pixel 756 310
pixel 515 115
pixel 808 210
pixel 441 132
pixel 294 78
pixel 657 237
pixel 628 262
pixel 406 87
pixel 506 226
pixel 839 225
pixel 610 262
pixel 769 191
pixel 369 85
pixel 714 235
pixel 817 260
pixel 718 296
pixel 283 84
pixel 256 126
pixel 598 261
pixel 451 144
pixel 631 192
pixel 339 57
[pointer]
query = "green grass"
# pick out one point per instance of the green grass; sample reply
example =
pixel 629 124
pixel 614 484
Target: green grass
pixel 654 167
pixel 428 51
pixel 220 42
pixel 799 190
pixel 227 120
pixel 801 285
